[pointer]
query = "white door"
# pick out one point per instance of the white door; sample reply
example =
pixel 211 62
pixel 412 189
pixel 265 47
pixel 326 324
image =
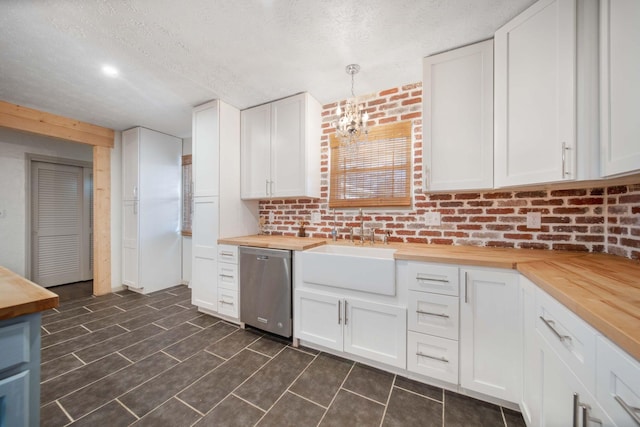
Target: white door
pixel 376 331
pixel 490 333
pixel 619 86
pixel 255 152
pixel 318 318
pixel 60 252
pixel 204 284
pixel 535 95
pixel 287 146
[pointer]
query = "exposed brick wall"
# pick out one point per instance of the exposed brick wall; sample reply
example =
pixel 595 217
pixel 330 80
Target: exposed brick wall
pixel 602 219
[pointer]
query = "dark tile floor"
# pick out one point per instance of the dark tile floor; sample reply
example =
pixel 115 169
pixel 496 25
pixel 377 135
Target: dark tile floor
pixel 128 359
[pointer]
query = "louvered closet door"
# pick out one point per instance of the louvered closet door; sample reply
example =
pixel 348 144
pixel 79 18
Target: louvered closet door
pixel 57 245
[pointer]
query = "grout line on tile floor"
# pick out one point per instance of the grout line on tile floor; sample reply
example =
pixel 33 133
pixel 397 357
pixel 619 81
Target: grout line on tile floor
pixel 82 361
pixel 64 411
pixel 443 413
pixel 217 355
pixel 418 394
pixel 504 420
pixel 121 355
pixel 191 407
pixel 307 399
pixel 127 408
pixel 386 404
pixel 159 326
pixel 337 392
pixel 174 358
pixel 45 329
pixel 363 396
pixel 246 401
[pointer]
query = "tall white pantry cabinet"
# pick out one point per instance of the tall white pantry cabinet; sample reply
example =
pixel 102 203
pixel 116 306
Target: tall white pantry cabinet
pixel 218 211
pixel 151 242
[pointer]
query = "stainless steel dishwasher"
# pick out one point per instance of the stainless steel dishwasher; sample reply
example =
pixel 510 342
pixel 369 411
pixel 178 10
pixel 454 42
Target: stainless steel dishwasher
pixel 265 289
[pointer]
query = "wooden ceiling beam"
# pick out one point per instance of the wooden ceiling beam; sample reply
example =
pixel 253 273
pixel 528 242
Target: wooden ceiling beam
pixel 29 120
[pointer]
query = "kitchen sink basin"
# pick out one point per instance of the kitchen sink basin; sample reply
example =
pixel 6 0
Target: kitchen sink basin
pixel 359 268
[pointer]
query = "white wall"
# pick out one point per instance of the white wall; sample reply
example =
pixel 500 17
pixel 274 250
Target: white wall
pixel 14 147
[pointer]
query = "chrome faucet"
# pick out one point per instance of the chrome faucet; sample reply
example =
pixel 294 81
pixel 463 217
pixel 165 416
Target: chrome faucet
pixel 334 231
pixel 361 227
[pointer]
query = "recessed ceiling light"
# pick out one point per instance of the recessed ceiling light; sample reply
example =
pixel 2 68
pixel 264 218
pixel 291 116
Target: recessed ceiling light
pixel 110 71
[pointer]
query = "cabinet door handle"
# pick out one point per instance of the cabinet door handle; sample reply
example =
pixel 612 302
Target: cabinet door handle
pixel 565 172
pixel 550 324
pixel 430 279
pixel 466 287
pixel 271 188
pixel 339 312
pixel 576 410
pixel 586 418
pixel 428 313
pixel 227 276
pixel 346 319
pixel 440 359
pixel 226 254
pixel 631 410
pixel 266 187
pixel 135 208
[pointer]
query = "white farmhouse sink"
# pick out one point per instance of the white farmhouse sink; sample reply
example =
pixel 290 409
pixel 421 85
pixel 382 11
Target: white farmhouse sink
pixel 358 268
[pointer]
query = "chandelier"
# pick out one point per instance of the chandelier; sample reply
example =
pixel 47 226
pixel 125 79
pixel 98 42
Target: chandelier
pixel 352 122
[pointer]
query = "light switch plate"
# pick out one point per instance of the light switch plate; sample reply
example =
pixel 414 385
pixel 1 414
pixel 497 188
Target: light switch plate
pixel 534 220
pixel 432 218
pixel 272 216
pixel 315 217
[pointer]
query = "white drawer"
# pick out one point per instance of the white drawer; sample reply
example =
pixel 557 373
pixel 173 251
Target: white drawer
pixel 228 253
pixel 440 279
pixel 228 303
pixel 14 345
pixel 432 356
pixel 569 336
pixel 228 276
pixel 434 314
pixel 618 383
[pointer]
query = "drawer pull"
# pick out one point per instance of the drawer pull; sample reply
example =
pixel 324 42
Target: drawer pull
pixel 227 276
pixel 226 254
pixel 631 410
pixel 446 316
pixel 225 302
pixel 339 310
pixel 430 279
pixel 550 324
pixel 439 359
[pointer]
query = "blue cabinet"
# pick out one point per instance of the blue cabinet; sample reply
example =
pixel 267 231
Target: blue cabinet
pixel 20 371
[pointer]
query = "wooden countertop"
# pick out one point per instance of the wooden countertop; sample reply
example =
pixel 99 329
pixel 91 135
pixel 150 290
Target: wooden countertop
pixel 604 290
pixel 19 296
pixel 274 242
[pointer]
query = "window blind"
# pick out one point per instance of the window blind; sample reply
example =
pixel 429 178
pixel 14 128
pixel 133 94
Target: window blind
pixel 373 172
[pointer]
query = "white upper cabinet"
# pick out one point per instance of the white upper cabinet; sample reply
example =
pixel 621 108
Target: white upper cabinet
pixel 206 147
pixel 543 95
pixel 130 156
pixel 280 149
pixel 458 119
pixel 619 86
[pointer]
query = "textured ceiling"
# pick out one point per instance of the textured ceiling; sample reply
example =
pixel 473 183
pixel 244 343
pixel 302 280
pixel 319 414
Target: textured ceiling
pixel 173 54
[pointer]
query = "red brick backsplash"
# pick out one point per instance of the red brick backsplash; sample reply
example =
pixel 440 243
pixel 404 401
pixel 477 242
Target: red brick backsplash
pixel 602 219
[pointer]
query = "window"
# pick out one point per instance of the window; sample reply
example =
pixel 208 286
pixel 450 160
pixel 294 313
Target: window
pixel 375 172
pixel 187 195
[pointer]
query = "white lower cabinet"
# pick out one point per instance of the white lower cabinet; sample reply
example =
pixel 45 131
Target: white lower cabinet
pixel 364 328
pixel 432 356
pixel 490 333
pixel 618 383
pixel 564 399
